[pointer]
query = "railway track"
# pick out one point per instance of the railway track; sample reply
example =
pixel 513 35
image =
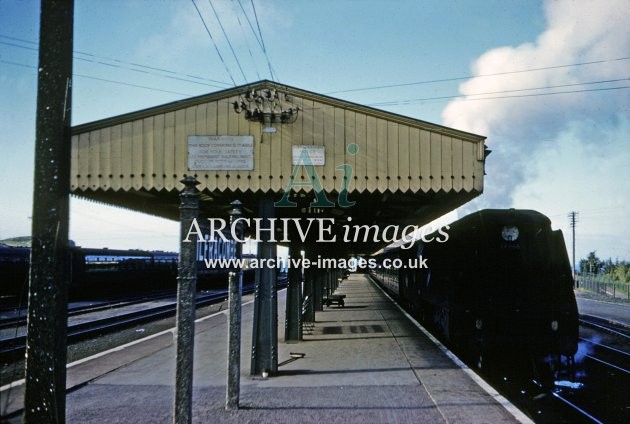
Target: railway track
pixel 19 315
pixel 597 390
pixel 608 356
pixel 576 409
pixel 605 325
pixel 13 348
pixel 594 391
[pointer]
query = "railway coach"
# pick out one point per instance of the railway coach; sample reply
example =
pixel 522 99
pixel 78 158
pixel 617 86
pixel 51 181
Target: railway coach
pixel 105 273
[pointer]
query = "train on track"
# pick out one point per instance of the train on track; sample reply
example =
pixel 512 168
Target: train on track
pixel 94 272
pixel 106 273
pixel 499 283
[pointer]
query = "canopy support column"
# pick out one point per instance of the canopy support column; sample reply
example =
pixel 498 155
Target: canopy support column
pixel 293 324
pixel 186 289
pixel 265 331
pixel 235 289
pixel 309 293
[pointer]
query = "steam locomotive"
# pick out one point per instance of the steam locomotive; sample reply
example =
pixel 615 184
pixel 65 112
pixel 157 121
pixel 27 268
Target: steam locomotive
pixel 500 283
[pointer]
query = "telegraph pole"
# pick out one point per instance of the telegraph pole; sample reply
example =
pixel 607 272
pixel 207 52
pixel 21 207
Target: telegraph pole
pixel 573 221
pixel 45 374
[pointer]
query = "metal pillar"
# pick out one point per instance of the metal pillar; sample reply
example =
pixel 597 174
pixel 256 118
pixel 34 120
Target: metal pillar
pixel 309 291
pixel 292 323
pixel 333 281
pixel 318 289
pixel 330 289
pixel 232 395
pixel 186 288
pixel 265 331
pixel 45 386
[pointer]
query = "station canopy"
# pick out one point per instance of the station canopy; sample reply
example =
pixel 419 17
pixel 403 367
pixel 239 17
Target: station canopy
pixel 335 159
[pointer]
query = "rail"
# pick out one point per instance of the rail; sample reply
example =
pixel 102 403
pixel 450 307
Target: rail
pixel 21 313
pixel 13 348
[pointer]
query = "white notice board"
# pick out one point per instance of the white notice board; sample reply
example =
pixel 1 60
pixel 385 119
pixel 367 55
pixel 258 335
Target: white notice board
pixel 308 155
pixel 220 153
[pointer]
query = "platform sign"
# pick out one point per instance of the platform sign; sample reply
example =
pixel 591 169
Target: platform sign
pixel 315 153
pixel 220 153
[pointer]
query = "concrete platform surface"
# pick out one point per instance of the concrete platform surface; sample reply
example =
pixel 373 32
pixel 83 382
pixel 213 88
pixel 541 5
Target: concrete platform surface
pixel 364 363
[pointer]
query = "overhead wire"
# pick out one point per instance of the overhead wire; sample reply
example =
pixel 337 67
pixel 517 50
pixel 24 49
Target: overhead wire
pixel 250 25
pixel 261 44
pixel 213 42
pixel 131 84
pixel 260 41
pixel 465 96
pixel 249 49
pixel 549 94
pixel 103 79
pixel 20 46
pixel 373 104
pixel 387 103
pixel 228 40
pixel 120 63
pixel 406 84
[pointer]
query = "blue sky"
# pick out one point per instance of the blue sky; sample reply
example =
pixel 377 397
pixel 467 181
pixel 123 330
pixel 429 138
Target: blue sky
pixel 554 153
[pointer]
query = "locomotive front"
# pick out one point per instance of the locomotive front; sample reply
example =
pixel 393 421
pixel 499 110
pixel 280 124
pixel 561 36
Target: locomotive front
pixel 500 284
pixel 523 286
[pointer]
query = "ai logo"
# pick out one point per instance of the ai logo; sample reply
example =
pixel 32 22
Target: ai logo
pixel 305 160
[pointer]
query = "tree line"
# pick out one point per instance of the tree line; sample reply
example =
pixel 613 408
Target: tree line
pixel 617 270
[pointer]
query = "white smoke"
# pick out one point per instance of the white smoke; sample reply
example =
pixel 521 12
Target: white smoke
pixel 522 131
pixel 586 348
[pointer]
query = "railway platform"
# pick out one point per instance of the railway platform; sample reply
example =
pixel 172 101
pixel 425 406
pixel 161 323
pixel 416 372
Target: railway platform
pixel 615 313
pixel 366 362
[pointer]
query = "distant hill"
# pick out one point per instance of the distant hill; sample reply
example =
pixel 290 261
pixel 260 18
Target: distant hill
pixel 24 241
